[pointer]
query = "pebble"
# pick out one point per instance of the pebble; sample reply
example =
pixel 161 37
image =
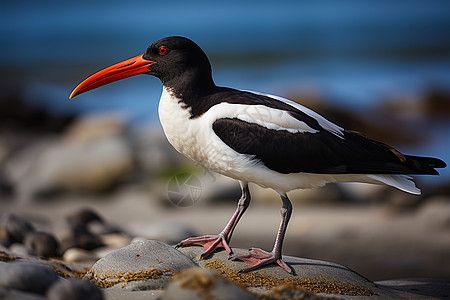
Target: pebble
pixel 143 265
pixel 197 283
pixel 7 294
pixel 79 255
pixel 14 228
pixel 27 277
pixel 41 244
pixel 74 289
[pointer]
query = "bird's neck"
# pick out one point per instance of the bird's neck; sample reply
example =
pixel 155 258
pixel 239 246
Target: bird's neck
pixel 190 87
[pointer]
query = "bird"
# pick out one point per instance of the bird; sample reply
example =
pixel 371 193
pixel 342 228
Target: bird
pixel 256 138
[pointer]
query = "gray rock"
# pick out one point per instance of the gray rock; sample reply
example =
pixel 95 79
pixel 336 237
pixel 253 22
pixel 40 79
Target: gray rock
pixel 6 294
pixel 202 284
pixel 143 265
pixel 41 244
pixel 79 255
pixel 418 288
pixel 74 289
pixel 27 277
pixel 20 250
pixel 317 276
pixel 15 227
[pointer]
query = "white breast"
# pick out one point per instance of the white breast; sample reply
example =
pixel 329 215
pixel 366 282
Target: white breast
pixel 196 139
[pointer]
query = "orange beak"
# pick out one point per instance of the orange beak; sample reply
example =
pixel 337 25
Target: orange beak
pixel 131 67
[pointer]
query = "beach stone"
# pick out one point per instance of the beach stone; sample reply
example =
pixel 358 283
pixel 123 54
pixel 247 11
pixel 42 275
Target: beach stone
pixel 27 276
pixel 168 232
pixel 418 288
pixel 6 294
pixel 20 250
pixel 79 255
pixel 74 289
pixel 41 244
pixel 14 227
pixel 196 283
pixel 143 265
pixel 312 275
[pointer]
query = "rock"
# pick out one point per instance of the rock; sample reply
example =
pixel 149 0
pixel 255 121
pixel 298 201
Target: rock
pixel 168 232
pixel 196 283
pixel 93 127
pixel 20 250
pixel 418 288
pixel 6 294
pixel 41 244
pixel 6 187
pixel 14 228
pixel 79 236
pixel 77 163
pixel 74 289
pixel 27 277
pixel 312 275
pixel 79 255
pixel 143 265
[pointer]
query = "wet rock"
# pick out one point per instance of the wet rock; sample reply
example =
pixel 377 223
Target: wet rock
pixel 74 289
pixel 41 244
pixel 196 283
pixel 13 228
pixel 143 265
pixel 168 232
pixel 27 276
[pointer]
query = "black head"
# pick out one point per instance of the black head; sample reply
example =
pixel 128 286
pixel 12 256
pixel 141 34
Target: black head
pixel 178 62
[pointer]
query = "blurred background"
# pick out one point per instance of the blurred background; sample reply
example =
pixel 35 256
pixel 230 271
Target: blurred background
pixel 378 67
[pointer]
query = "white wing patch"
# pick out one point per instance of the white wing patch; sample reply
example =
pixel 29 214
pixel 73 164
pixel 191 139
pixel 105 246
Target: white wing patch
pixel 324 123
pixel 270 118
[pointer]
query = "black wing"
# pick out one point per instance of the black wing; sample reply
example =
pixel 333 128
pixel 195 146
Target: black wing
pixel 321 152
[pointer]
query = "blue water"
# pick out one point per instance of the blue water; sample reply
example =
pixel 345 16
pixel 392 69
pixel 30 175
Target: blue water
pixel 354 53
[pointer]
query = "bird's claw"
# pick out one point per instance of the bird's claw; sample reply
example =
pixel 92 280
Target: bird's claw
pixel 257 258
pixel 209 242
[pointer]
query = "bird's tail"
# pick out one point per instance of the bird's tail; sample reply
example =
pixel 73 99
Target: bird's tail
pixel 402 182
pixel 416 165
pixel 423 165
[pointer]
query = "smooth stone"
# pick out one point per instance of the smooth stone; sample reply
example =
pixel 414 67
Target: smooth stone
pixel 143 265
pixel 7 294
pixel 41 244
pixel 74 289
pixel 418 288
pixel 79 255
pixel 27 276
pixel 16 227
pixel 20 250
pixel 330 277
pixel 199 284
pixel 120 294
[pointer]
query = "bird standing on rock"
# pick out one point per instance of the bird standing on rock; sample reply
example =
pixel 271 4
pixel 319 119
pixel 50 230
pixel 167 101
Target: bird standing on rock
pixel 254 137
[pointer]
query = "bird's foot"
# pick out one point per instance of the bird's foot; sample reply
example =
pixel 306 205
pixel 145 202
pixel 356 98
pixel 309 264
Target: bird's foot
pixel 209 242
pixel 257 258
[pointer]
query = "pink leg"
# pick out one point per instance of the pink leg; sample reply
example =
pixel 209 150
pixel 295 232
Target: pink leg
pixel 257 258
pixel 213 242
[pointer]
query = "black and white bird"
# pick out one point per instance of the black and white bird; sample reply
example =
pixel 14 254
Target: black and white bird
pixel 259 138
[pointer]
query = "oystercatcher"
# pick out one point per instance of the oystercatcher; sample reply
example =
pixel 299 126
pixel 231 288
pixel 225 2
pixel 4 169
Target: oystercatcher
pixel 259 138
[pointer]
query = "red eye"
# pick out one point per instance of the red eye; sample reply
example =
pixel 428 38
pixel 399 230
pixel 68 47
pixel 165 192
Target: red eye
pixel 163 50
